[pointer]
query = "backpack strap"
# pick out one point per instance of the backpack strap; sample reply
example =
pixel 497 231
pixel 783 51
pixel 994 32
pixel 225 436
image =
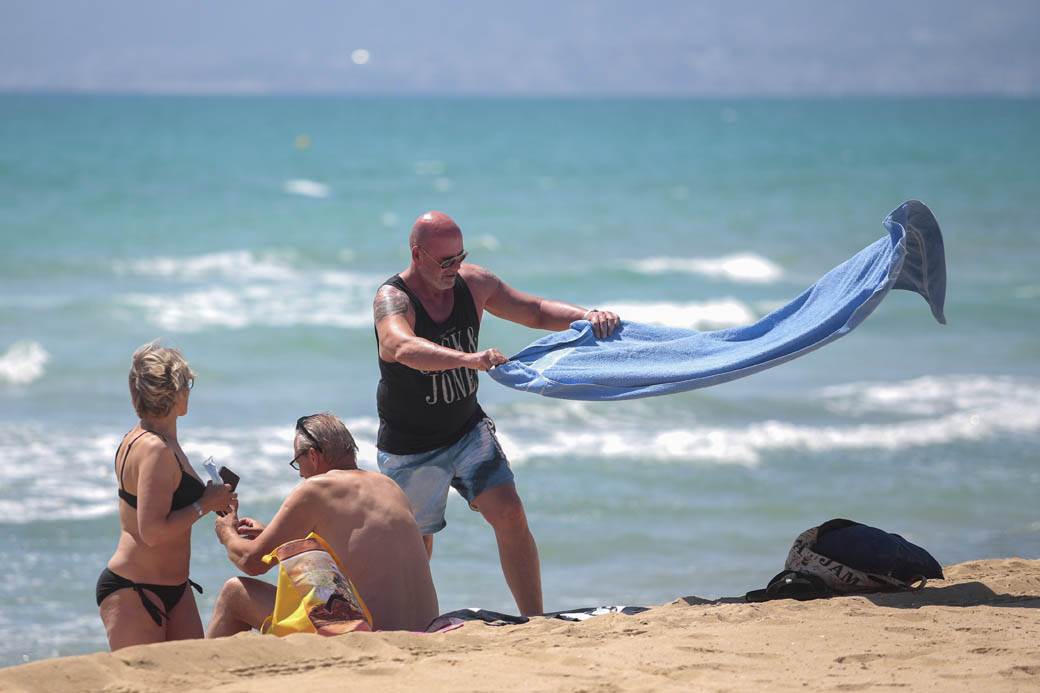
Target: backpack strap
pixel 791 584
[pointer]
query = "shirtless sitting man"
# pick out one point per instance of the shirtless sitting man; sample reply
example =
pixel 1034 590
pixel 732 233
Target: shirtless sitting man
pixel 363 516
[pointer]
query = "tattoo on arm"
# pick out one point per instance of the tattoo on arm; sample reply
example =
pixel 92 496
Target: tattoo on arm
pixel 390 302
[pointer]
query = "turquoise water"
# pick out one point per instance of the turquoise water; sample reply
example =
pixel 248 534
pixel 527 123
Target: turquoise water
pixel 198 220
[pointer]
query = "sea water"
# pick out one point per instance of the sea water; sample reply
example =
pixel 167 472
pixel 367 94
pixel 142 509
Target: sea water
pixel 252 233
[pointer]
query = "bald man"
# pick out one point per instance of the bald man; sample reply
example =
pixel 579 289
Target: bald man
pixel 432 432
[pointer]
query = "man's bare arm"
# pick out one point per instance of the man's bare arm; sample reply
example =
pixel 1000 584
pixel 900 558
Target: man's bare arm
pixel 294 520
pixel 533 311
pixel 391 301
pixel 398 343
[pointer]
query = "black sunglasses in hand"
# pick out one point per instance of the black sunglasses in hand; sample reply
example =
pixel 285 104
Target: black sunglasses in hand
pixel 302 428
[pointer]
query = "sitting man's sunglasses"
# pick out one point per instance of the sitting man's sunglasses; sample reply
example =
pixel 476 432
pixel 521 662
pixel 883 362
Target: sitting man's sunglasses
pixel 301 427
pixel 448 261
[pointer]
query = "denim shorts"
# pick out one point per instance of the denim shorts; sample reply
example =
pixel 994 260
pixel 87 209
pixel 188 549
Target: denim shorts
pixel 472 465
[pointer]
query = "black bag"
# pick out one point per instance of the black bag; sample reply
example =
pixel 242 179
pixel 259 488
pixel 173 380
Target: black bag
pixel 843 557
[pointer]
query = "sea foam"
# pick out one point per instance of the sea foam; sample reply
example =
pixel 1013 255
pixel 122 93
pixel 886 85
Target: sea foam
pixel 938 411
pixel 23 363
pixel 245 289
pixel 741 267
pixel 709 315
pixel 257 305
pixel 932 395
pixel 87 485
pixel 306 188
pixel 237 265
pixel 944 410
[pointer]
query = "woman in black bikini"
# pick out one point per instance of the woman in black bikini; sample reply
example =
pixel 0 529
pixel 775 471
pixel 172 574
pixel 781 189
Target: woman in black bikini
pixel 143 595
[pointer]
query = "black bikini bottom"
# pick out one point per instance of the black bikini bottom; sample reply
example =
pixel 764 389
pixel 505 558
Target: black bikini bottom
pixel 169 595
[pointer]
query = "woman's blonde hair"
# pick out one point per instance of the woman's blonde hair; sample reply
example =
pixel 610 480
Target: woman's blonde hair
pixel 157 374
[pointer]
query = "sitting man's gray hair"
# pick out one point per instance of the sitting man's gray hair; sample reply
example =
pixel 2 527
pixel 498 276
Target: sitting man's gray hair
pixel 332 436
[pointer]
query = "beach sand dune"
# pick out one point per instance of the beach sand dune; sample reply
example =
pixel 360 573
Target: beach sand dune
pixel 977 630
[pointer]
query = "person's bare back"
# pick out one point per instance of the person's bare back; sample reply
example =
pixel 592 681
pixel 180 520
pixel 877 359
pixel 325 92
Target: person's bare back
pixel 366 519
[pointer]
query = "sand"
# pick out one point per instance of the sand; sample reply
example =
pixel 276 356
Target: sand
pixel 977 630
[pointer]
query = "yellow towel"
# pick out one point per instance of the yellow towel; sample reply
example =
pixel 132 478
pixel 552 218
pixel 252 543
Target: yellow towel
pixel 314 593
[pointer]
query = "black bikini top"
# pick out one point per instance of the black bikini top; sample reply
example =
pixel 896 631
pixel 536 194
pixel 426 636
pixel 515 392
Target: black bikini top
pixel 188 491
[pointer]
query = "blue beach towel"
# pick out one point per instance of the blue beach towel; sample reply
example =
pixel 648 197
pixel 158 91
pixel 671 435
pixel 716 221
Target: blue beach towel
pixel 641 360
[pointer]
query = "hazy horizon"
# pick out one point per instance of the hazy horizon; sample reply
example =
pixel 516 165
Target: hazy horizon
pixel 804 48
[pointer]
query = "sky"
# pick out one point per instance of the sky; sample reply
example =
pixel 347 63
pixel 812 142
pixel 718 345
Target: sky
pixel 670 48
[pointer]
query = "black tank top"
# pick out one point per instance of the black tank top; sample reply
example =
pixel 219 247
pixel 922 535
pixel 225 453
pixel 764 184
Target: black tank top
pixel 425 410
pixel 187 492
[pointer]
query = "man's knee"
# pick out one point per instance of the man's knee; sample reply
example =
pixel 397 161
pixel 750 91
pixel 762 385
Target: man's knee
pixel 231 594
pixel 504 510
pixel 243 603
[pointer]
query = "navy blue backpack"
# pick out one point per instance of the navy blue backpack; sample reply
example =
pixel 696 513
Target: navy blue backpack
pixel 845 557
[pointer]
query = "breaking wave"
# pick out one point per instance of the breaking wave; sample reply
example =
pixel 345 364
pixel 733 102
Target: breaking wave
pixel 23 363
pixel 741 267
pixel 709 315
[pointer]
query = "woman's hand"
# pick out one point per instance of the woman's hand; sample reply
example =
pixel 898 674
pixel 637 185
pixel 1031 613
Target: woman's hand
pixel 218 497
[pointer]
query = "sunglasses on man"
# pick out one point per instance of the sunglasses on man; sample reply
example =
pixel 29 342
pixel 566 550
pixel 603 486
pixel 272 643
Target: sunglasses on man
pixel 448 261
pixel 301 427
